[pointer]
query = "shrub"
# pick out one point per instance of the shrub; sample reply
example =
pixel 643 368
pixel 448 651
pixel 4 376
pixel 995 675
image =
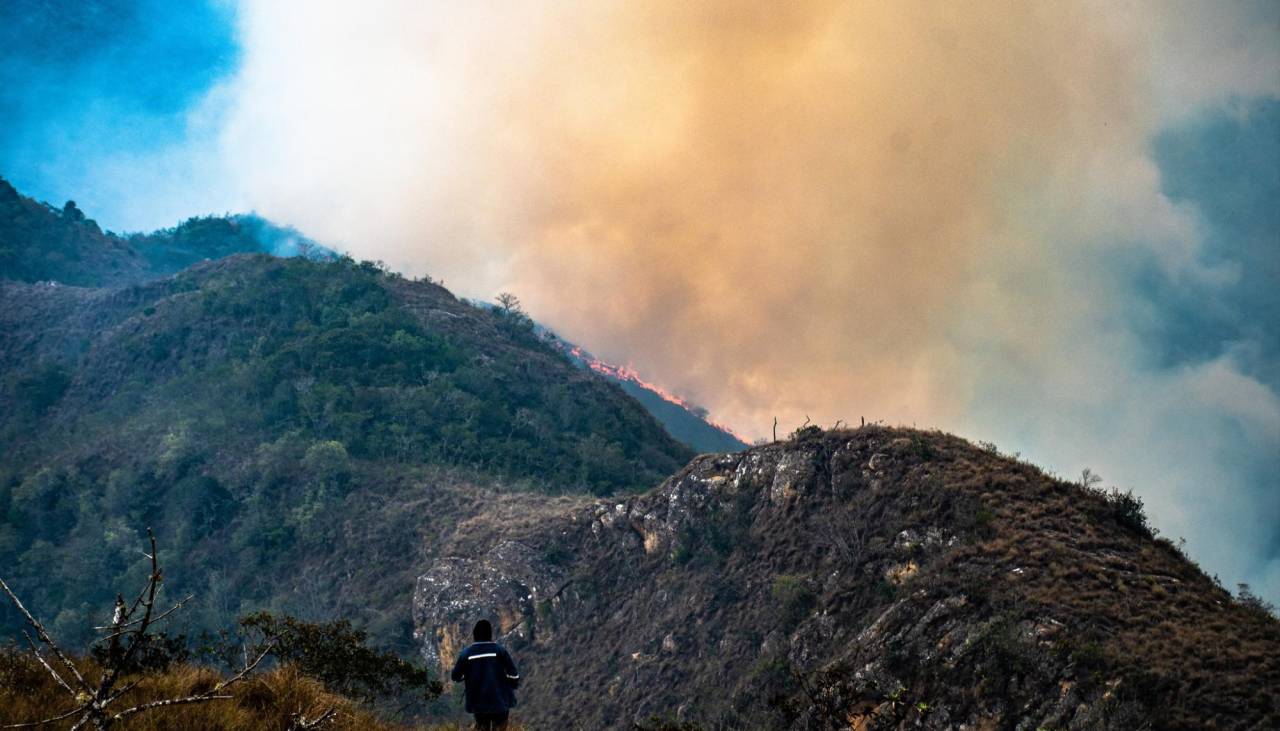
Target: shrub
pixel 337 654
pixel 157 652
pixel 682 549
pixel 1005 655
pixel 806 433
pixel 557 553
pixel 921 448
pixel 794 597
pixel 1127 510
pixel 886 590
pixel 1255 604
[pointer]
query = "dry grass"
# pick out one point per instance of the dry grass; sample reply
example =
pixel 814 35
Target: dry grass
pixel 1161 622
pixel 267 701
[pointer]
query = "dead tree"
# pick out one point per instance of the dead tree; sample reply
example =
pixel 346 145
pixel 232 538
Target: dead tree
pixel 509 303
pixel 92 701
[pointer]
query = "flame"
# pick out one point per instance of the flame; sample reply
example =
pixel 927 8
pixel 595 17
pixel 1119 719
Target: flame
pixel 628 373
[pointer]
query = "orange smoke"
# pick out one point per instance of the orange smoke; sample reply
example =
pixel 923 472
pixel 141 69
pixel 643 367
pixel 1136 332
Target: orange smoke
pixel 780 209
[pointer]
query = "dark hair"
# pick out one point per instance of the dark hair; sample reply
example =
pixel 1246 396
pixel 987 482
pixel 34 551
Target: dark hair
pixel 483 631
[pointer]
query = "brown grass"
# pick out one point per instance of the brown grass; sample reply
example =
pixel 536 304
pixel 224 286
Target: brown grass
pixel 266 701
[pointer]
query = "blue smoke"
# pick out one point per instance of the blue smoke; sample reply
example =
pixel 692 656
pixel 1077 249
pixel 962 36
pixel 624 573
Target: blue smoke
pixel 283 241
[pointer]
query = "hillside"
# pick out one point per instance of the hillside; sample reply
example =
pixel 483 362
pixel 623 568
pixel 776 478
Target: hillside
pixel 873 578
pixel 684 421
pixel 40 243
pixel 299 432
pixel 686 425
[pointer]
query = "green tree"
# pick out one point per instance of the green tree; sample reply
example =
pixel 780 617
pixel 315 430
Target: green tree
pixel 340 656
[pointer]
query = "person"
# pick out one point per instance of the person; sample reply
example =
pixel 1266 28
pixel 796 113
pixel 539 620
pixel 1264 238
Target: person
pixel 491 678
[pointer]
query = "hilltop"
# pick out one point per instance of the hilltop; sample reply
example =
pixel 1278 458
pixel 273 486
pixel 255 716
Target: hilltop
pixel 870 578
pixel 41 243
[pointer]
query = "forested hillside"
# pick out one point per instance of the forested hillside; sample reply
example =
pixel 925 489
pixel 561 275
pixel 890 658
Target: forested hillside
pixel 297 431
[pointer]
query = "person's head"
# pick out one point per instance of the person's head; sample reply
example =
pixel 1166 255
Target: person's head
pixel 483 631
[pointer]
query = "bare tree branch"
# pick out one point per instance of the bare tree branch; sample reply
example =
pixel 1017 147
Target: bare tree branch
pixel 127 636
pixel 153 585
pixel 45 638
pixel 116 663
pixel 31 724
pixel 36 651
pixel 123 627
pixel 169 702
pixel 209 695
pixel 121 691
pixel 266 650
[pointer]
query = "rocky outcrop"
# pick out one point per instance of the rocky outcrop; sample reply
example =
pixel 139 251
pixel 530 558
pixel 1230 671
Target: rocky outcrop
pixel 506 584
pixel 872 578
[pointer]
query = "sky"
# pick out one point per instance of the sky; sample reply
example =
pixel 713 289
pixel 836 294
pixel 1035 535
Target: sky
pixel 1052 226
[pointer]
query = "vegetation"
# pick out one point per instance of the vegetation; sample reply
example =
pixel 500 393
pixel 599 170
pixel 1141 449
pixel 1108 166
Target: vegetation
pixel 711 541
pixel 285 419
pixel 280 698
pixel 1254 604
pixel 793 597
pixel 126 647
pixel 339 656
pixel 129 658
pixel 305 429
pixel 312 433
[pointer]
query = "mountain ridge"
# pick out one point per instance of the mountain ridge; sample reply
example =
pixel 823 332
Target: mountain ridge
pixel 42 243
pixel 870 578
pixel 39 242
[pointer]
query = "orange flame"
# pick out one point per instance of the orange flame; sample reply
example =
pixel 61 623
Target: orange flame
pixel 627 373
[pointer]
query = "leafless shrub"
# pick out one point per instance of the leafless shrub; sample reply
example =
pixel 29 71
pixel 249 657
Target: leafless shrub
pixel 93 702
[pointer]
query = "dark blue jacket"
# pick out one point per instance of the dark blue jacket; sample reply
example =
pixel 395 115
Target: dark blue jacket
pixel 491 677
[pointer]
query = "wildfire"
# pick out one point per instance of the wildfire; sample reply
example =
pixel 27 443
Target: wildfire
pixel 627 373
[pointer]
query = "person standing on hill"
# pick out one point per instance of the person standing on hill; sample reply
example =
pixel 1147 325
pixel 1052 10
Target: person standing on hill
pixel 491 678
